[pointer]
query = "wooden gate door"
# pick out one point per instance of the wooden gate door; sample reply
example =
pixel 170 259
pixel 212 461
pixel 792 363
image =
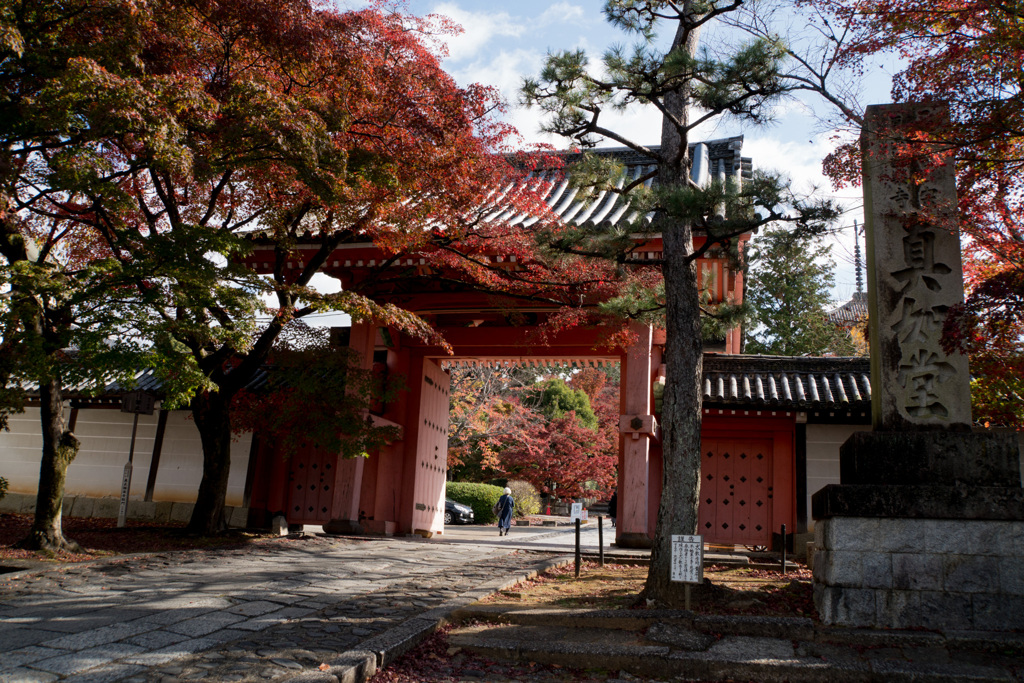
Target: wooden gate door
pixel 736 491
pixel 310 476
pixel 431 450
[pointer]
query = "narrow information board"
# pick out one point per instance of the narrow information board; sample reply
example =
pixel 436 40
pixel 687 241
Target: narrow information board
pixel 126 486
pixel 688 559
pixel 576 512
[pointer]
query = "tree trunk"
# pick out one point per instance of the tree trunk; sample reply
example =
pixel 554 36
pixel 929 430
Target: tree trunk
pixel 681 408
pixel 680 416
pixel 59 448
pixel 210 409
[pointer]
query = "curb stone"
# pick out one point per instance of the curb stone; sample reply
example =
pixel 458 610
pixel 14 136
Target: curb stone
pixel 358 666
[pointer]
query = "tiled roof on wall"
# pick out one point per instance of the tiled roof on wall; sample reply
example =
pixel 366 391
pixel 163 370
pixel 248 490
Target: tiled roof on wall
pixel 785 382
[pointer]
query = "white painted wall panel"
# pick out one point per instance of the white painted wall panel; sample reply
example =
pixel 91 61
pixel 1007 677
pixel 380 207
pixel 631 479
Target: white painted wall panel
pixel 105 435
pixel 20 450
pixel 823 442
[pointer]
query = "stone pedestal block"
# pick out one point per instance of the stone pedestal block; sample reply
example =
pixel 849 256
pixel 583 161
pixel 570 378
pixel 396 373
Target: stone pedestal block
pixel 379 527
pixel 937 457
pixel 346 527
pixel 925 531
pixel 919 573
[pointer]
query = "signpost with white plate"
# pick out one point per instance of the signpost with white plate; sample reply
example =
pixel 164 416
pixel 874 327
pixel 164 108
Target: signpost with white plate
pixel 687 561
pixel 140 403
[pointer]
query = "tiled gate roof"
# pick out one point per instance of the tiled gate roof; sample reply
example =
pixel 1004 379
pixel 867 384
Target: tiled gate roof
pixel 785 382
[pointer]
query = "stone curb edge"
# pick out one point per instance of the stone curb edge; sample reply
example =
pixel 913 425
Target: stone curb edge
pixel 358 666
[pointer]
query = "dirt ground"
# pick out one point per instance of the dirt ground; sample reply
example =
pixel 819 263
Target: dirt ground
pixel 101 538
pixel 738 590
pixel 752 591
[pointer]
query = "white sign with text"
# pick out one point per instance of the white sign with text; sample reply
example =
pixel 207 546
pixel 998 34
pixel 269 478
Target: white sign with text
pixel 688 559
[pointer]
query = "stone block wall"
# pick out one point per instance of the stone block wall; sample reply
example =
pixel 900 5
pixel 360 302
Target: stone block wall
pixel 88 506
pixel 930 573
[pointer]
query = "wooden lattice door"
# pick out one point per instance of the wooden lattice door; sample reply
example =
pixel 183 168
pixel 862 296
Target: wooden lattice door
pixel 310 478
pixel 736 491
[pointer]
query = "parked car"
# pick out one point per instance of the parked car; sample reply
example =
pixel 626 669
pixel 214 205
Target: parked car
pixel 457 513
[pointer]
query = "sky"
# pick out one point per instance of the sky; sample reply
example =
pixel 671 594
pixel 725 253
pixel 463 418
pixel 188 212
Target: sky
pixel 504 42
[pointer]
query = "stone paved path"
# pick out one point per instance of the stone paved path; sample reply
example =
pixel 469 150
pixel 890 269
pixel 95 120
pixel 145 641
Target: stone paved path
pixel 255 614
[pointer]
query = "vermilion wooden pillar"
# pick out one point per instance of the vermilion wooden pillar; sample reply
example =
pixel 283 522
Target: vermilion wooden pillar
pixel 348 478
pixel 407 449
pixel 387 504
pixel 637 427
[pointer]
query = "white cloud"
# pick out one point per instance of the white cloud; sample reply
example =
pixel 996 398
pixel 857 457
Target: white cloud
pixel 479 29
pixel 505 71
pixel 801 161
pixel 561 11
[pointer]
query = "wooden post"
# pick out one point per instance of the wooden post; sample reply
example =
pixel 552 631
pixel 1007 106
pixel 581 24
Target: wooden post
pixel 577 547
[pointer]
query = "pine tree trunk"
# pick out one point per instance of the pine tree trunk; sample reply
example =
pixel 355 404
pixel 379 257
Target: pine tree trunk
pixel 681 408
pixel 681 416
pixel 210 409
pixel 59 448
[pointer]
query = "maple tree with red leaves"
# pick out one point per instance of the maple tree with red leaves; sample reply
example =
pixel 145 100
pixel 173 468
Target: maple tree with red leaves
pixel 234 125
pixel 485 408
pixel 508 422
pixel 969 55
pixel 568 451
pixel 562 457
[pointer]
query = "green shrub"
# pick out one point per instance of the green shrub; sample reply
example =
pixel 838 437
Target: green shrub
pixel 526 497
pixel 3 488
pixel 480 497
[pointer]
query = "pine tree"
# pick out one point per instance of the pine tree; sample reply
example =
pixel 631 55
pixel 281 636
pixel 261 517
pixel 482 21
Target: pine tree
pixel 787 290
pixel 689 87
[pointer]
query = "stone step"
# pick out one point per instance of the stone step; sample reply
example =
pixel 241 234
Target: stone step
pixel 787 628
pixel 793 628
pixel 666 650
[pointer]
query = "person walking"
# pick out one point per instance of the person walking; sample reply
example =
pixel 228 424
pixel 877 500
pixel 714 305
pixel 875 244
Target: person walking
pixel 503 508
pixel 613 505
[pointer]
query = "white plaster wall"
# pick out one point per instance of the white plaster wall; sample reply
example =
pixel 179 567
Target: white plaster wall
pixel 181 462
pixel 105 435
pixel 19 451
pixel 823 442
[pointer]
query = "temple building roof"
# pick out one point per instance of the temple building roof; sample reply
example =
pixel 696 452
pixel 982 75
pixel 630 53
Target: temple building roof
pixel 713 159
pixel 852 312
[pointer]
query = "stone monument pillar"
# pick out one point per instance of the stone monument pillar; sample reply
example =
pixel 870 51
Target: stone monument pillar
pixel 925 528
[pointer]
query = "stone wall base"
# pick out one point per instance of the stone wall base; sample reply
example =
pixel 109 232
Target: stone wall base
pixel 148 511
pixel 920 573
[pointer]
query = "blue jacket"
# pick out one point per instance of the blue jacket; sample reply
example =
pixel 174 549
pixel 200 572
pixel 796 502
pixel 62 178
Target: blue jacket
pixel 505 507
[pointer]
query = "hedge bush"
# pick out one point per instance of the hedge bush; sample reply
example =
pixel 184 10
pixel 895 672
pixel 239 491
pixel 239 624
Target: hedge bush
pixel 526 497
pixel 3 488
pixel 480 497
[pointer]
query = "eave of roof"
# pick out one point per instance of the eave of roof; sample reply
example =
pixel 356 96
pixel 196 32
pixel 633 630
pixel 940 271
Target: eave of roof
pixel 852 311
pixel 785 382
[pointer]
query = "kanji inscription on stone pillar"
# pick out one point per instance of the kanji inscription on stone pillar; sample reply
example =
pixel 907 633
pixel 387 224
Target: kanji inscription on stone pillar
pixel 914 271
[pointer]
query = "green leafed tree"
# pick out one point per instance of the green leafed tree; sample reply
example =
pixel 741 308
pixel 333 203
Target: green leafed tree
pixel 788 290
pixel 553 398
pixel 689 87
pixel 70 310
